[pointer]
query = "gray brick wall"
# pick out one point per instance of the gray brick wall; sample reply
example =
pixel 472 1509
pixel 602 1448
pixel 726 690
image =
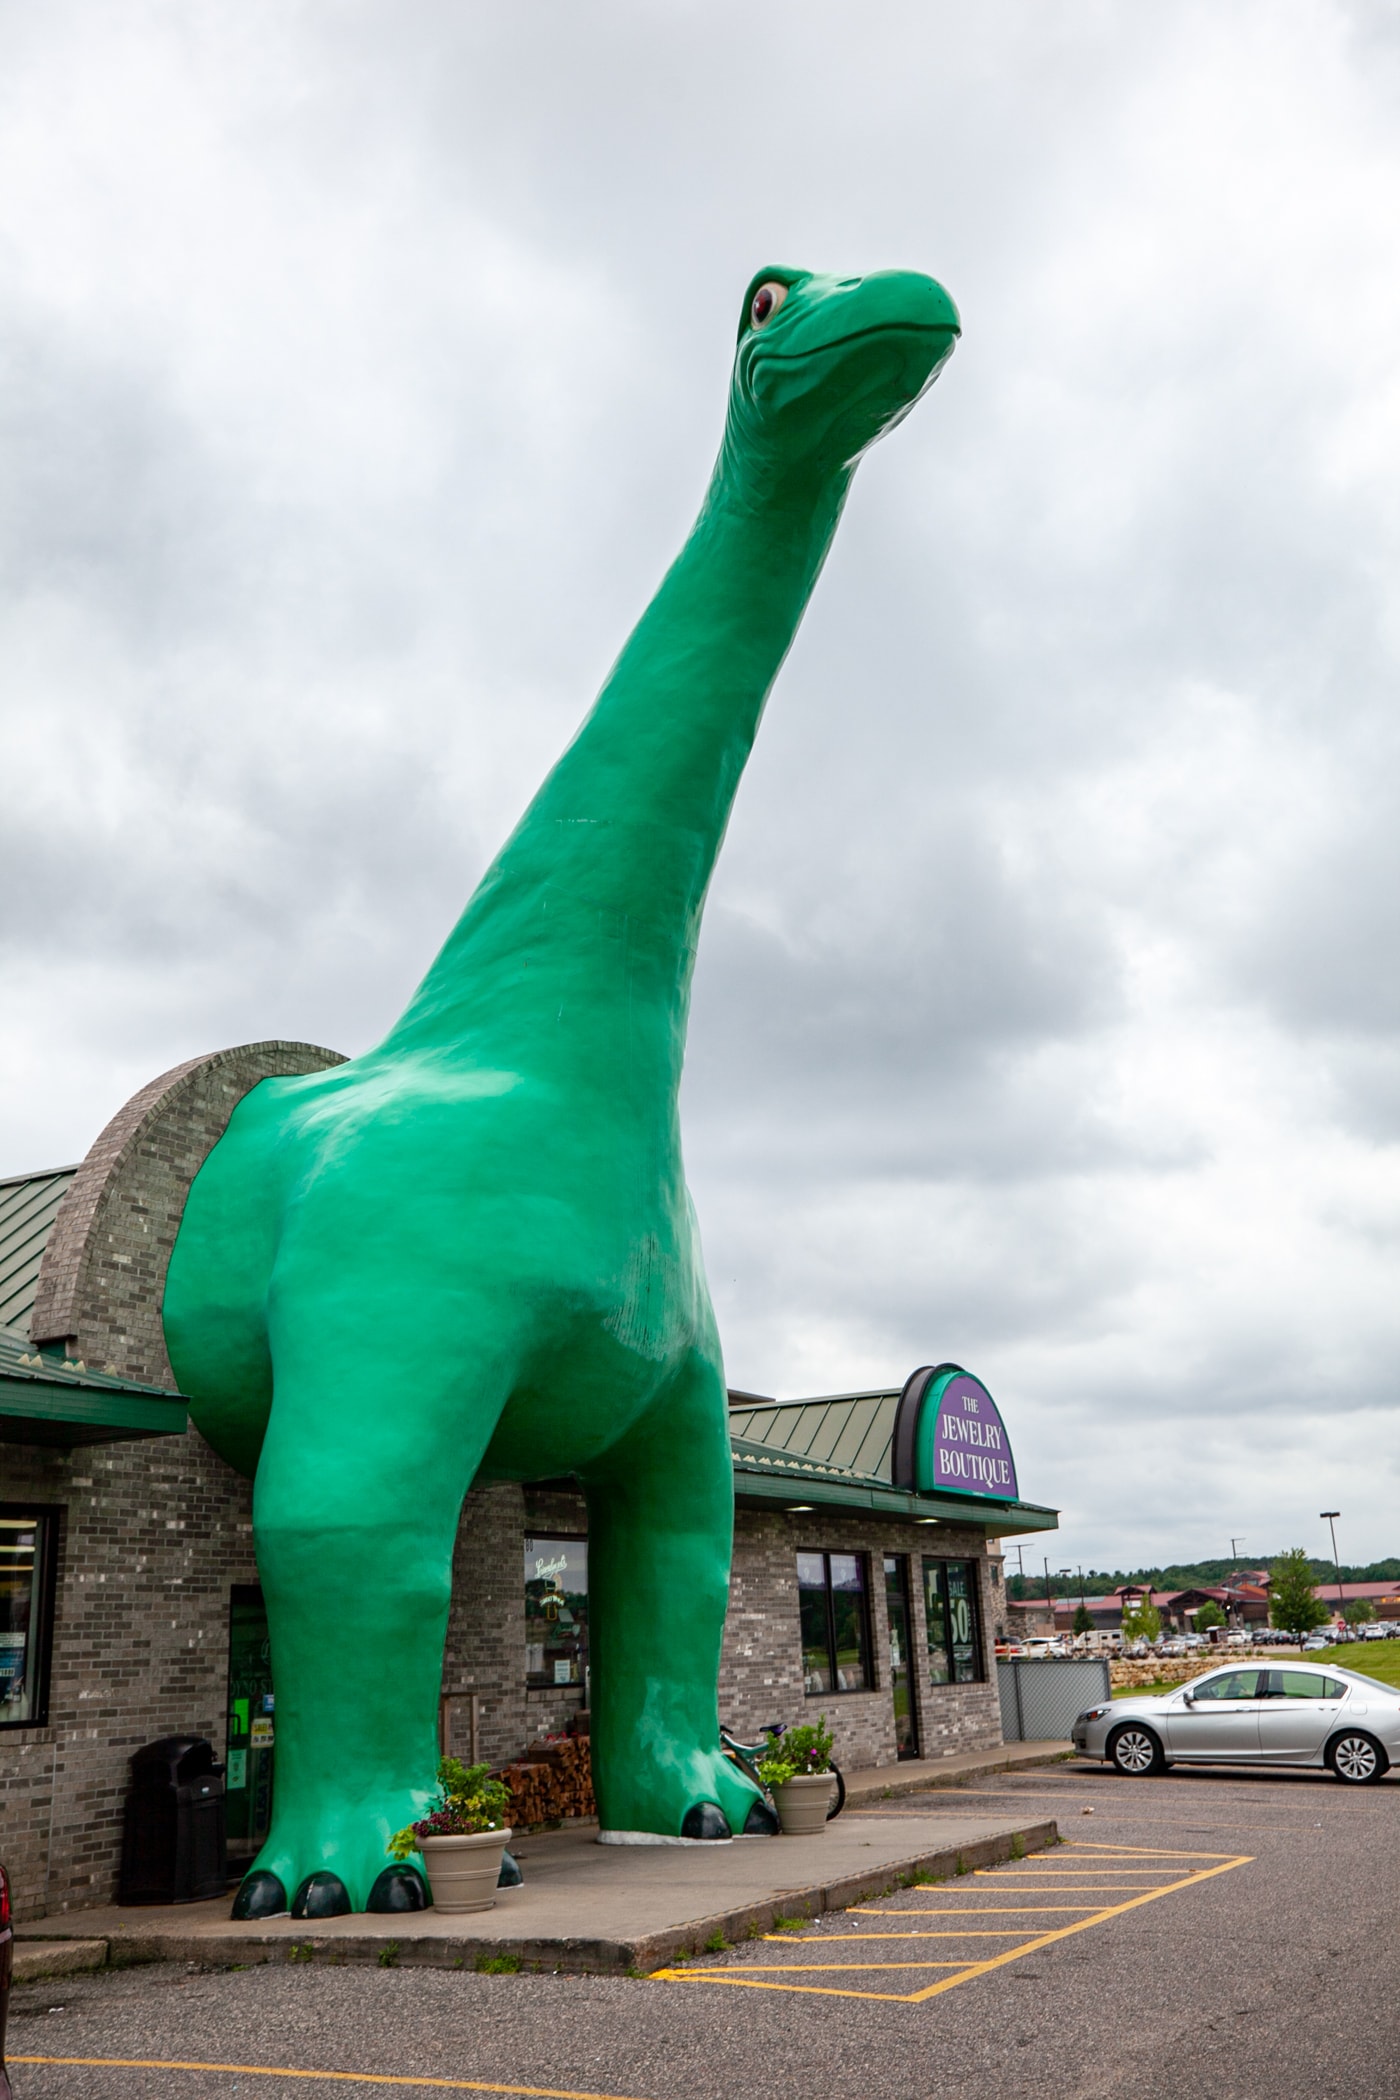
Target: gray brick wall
pixel 761 1664
pixel 485 1649
pixel 761 1668
pixel 151 1535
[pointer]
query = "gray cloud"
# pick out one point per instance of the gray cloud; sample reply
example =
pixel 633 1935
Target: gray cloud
pixel 360 371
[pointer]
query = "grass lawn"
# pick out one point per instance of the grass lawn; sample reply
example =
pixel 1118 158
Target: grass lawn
pixel 1372 1658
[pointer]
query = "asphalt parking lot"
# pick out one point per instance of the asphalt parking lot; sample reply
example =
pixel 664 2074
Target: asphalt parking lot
pixel 1203 1936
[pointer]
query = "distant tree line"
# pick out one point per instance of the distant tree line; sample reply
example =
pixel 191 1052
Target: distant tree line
pixel 1195 1575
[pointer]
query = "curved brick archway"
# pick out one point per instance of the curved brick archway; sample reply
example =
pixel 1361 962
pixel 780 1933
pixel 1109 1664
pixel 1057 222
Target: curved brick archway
pixel 102 1279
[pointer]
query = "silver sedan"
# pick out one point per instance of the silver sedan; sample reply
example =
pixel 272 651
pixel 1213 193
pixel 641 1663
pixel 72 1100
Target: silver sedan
pixel 1277 1714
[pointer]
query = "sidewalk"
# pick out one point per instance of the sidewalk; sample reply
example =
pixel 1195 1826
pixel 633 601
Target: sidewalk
pixel 584 1908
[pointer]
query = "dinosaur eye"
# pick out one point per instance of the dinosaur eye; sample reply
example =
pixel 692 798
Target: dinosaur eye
pixel 766 301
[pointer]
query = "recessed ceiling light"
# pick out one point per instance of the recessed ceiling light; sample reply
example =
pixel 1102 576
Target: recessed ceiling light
pixel 799 1509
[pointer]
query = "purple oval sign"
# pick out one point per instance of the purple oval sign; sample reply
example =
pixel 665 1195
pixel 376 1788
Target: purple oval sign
pixel 971 1450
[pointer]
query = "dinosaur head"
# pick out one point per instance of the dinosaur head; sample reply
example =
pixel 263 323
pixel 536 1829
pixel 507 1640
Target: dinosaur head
pixel 826 365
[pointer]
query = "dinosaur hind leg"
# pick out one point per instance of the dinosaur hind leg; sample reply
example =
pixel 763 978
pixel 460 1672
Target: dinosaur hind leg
pixel 359 1490
pixel 660 1526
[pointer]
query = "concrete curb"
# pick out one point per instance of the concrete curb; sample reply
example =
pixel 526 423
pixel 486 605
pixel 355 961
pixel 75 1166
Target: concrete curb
pixel 563 1956
pixel 36 1958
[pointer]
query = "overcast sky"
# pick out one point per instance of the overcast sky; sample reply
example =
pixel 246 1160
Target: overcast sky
pixel 362 370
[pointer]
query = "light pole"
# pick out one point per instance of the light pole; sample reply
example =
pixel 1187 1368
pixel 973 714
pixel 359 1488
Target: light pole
pixel 1332 1516
pixel 1235 1551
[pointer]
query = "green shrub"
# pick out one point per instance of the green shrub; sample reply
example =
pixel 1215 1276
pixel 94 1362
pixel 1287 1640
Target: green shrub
pixel 469 1801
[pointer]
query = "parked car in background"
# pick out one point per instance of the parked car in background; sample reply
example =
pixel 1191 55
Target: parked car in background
pixel 7 1942
pixel 1252 1714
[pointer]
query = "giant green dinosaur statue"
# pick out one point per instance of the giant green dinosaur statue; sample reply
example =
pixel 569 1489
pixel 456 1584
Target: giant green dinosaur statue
pixel 471 1252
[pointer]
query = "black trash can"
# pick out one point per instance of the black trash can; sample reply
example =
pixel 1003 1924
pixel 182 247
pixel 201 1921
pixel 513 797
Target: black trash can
pixel 173 1848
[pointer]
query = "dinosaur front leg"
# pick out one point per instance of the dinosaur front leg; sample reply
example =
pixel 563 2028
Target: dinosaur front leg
pixel 356 1504
pixel 661 1523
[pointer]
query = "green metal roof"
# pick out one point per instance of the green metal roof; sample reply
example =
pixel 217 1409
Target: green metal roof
pixel 46 1399
pixel 839 1450
pixel 28 1206
pixel 854 1431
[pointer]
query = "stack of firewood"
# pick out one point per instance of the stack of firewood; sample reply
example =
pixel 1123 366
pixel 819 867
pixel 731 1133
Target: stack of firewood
pixel 553 1779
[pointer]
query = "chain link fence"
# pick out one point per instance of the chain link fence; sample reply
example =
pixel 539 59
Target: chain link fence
pixel 1040 1698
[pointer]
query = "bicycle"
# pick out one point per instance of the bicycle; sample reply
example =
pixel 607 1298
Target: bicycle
pixel 746 1756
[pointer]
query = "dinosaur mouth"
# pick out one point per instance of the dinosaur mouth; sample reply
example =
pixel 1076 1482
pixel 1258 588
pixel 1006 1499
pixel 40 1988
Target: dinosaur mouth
pixel 842 342
pixel 892 362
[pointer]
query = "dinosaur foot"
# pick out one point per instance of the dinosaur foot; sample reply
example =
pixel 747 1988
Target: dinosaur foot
pixel 321 1895
pixel 761 1822
pixel 709 1799
pixel 399 1888
pixel 702 1824
pixel 329 1851
pixel 706 1823
pixel 260 1895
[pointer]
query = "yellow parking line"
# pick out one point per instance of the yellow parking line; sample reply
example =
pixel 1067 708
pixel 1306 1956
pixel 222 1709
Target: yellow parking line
pixel 451 2085
pixel 1134 1852
pixel 785 1968
pixel 998 1932
pixel 966 1972
pixel 981 1909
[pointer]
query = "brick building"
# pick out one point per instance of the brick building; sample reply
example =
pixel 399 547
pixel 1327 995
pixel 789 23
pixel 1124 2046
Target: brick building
pixel 862 1582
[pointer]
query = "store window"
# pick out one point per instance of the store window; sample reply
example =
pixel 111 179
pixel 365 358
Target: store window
pixel 556 1611
pixel 831 1594
pixel 28 1560
pixel 954 1625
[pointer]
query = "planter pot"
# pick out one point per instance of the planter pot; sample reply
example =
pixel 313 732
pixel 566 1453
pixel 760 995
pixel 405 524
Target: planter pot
pixel 803 1803
pixel 462 1871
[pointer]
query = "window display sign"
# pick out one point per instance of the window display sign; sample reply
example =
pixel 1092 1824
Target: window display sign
pixel 27 1541
pixel 949 1437
pixel 952 1621
pixel 556 1611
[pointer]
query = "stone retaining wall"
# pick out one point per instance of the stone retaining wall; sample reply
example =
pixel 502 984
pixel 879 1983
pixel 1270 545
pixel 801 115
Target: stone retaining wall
pixel 1176 1669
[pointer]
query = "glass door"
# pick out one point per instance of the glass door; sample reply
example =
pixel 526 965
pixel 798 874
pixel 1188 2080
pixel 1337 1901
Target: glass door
pixel 251 1724
pixel 906 1726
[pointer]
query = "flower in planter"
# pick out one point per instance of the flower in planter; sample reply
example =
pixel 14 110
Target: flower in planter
pixel 803 1752
pixel 471 1801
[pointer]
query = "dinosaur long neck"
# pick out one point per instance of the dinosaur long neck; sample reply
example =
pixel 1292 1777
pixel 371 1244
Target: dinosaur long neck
pixel 597 895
